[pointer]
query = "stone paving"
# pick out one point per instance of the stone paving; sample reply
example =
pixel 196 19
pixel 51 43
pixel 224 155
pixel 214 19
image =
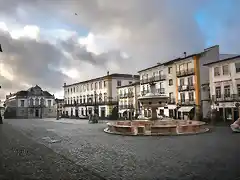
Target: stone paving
pixel 207 156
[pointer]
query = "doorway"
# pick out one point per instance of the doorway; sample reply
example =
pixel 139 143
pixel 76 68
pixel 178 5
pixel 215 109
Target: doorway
pixel 76 112
pixel 36 113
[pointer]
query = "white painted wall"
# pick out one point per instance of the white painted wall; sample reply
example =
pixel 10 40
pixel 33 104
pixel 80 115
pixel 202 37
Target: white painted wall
pixel 231 79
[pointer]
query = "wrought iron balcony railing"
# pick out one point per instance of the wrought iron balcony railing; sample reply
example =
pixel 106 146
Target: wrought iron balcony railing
pixel 225 97
pixel 186 102
pixel 185 72
pixel 153 79
pixel 186 87
pixel 129 106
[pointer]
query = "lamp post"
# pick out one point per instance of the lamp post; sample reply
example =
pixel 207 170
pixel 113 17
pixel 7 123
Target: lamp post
pixel 1 121
pixel 57 118
pixel 95 103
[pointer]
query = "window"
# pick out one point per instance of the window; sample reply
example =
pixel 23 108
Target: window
pixel 227 91
pixel 49 103
pixel 42 101
pixel 74 89
pixel 130 82
pixel 87 87
pixel 170 82
pixel 191 96
pixel 237 65
pixel 100 85
pixel 22 103
pixel 216 71
pixel 218 92
pixel 170 95
pixel 95 85
pixel 182 82
pixel 104 84
pixel 146 76
pixel 169 70
pixel 190 81
pixel 91 86
pixel 119 83
pixel 154 74
pixel 182 96
pixel 225 69
pixel 37 102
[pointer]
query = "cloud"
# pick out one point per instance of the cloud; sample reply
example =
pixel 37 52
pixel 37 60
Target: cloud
pixel 124 36
pixel 28 60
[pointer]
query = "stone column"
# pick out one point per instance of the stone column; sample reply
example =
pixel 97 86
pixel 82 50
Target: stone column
pixel 154 113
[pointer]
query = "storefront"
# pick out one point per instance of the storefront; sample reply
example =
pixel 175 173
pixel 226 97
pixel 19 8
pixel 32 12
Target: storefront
pixel 225 112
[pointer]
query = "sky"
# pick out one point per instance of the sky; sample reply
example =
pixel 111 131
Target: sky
pixel 52 42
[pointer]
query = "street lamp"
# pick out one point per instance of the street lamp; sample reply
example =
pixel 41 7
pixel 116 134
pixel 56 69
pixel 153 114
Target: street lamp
pixel 1 121
pixel 57 118
pixel 95 103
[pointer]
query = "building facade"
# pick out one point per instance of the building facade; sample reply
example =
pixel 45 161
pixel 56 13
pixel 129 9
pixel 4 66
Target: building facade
pixel 128 105
pixel 59 106
pixel 225 88
pixel 32 103
pixel 95 96
pixel 182 79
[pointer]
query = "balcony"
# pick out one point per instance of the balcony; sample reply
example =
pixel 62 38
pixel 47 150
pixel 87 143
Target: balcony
pixel 126 95
pixel 36 106
pixel 161 91
pixel 144 92
pixel 186 72
pixel 93 103
pixel 226 98
pixel 186 102
pixel 153 79
pixel 171 101
pixel 129 106
pixel 186 87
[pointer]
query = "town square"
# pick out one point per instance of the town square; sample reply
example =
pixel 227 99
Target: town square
pixel 119 90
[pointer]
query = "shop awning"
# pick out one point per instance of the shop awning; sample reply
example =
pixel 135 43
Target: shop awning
pixel 185 109
pixel 122 111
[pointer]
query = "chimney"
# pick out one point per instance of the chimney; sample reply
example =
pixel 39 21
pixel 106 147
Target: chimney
pixel 185 54
pixel 64 84
pixel 108 73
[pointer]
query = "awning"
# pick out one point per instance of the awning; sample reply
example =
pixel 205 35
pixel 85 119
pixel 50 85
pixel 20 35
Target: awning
pixel 122 111
pixel 185 109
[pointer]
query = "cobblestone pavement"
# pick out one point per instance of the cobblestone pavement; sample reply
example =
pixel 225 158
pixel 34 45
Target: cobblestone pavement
pixel 209 156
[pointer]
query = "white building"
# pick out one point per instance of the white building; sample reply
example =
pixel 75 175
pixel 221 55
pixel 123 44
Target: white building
pixel 97 95
pixel 224 76
pixel 128 105
pixel 164 75
pixel 59 106
pixel 182 79
pixel 33 103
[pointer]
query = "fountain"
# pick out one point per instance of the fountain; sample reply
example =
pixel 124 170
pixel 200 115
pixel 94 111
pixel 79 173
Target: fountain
pixel 153 126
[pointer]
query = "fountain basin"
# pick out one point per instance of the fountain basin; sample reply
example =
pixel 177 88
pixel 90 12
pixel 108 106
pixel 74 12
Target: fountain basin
pixel 158 127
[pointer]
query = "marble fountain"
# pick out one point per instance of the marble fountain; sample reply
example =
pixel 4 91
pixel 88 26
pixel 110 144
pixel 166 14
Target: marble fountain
pixel 153 126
